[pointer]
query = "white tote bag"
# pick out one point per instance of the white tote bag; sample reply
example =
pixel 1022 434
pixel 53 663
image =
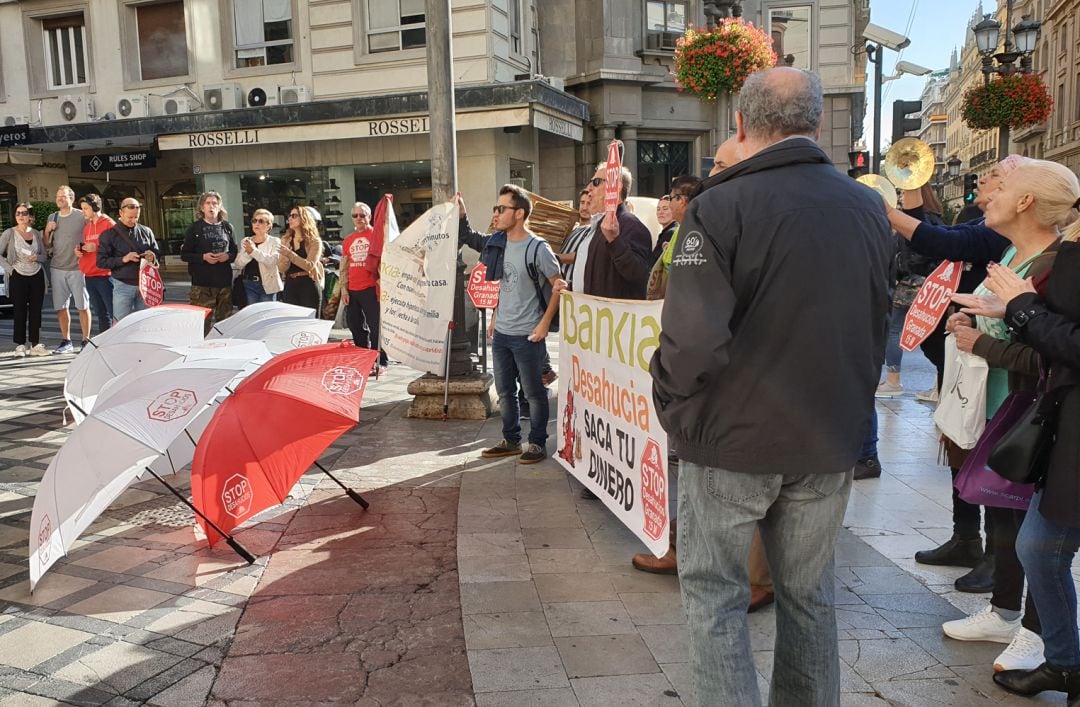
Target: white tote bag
pixel 961 409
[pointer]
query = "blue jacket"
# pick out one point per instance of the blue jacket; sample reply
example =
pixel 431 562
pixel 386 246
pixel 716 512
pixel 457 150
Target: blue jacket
pixel 491 248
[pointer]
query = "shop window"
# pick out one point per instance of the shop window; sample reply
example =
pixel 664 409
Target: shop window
pixel 64 40
pixel 790 30
pixel 393 25
pixel 659 163
pixel 665 22
pixel 263 32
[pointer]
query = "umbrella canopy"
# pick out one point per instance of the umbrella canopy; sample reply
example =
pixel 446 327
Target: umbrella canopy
pixel 119 349
pixel 276 423
pixel 110 449
pixel 254 312
pixel 281 335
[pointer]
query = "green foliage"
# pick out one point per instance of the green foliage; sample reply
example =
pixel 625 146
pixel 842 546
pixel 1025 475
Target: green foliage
pixel 42 209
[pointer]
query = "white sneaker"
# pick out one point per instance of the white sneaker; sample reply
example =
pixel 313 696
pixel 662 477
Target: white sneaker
pixel 927 396
pixel 986 625
pixel 20 351
pixel 888 390
pixel 39 350
pixel 1024 653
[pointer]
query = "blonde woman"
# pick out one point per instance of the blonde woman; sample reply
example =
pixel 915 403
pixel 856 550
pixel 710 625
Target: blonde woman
pixel 257 261
pixel 299 259
pixel 22 254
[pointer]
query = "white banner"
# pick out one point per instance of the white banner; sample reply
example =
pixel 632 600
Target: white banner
pixel 609 437
pixel 417 289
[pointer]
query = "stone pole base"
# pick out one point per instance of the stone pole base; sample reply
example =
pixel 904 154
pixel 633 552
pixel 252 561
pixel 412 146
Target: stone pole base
pixel 470 397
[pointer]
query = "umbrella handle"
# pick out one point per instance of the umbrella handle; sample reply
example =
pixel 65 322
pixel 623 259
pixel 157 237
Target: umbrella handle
pixel 352 494
pixel 230 540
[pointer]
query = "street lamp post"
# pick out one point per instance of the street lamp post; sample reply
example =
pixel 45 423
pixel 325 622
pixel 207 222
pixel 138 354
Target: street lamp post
pixel 1019 44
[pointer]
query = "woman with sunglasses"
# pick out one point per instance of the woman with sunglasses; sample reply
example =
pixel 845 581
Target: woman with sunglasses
pixel 300 261
pixel 22 254
pixel 258 260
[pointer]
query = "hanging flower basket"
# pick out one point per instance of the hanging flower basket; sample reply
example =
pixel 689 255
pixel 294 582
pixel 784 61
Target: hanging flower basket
pixel 1018 101
pixel 711 62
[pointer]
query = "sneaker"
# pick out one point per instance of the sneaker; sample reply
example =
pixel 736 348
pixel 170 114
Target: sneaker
pixel 502 449
pixel 869 468
pixel 65 347
pixel 39 350
pixel 889 390
pixel 986 625
pixel 1024 653
pixel 532 454
pixel 20 351
pixel 927 396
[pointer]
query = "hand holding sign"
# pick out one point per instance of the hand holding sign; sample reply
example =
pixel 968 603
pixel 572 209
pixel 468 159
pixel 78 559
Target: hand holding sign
pixel 930 304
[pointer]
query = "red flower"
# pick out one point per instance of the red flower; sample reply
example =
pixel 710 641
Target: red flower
pixel 1016 101
pixel 717 61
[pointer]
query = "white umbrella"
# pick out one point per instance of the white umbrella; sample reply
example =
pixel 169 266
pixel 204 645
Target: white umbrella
pixel 114 444
pixel 283 334
pixel 254 312
pixel 117 350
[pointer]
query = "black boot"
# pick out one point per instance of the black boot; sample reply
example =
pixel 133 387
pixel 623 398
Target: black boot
pixel 1043 678
pixel 956 552
pixel 979 580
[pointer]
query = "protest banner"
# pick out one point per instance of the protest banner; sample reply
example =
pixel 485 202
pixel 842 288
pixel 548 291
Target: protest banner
pixel 930 304
pixel 417 276
pixel 608 436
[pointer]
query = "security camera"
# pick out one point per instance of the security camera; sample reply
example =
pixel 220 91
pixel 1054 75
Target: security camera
pixel 912 68
pixel 885 37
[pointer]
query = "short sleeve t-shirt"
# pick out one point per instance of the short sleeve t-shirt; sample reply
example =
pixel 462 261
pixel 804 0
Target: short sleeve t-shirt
pixel 68 234
pixel 519 305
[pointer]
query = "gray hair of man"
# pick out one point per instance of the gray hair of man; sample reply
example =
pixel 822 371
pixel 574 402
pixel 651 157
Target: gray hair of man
pixel 626 180
pixel 781 102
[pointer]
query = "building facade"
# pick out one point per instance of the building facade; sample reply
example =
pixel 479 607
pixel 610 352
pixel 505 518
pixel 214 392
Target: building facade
pixel 935 123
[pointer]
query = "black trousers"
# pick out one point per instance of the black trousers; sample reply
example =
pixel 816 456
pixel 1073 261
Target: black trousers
pixel 27 295
pixel 1008 572
pixel 363 314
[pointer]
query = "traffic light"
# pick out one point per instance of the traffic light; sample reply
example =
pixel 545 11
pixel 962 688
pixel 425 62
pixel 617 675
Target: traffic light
pixel 971 185
pixel 901 123
pixel 860 164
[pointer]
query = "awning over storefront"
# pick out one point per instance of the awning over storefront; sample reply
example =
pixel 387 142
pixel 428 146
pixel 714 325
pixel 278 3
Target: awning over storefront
pixel 26 158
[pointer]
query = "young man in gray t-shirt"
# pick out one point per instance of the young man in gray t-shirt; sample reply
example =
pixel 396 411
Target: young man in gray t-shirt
pixel 64 234
pixel 517 350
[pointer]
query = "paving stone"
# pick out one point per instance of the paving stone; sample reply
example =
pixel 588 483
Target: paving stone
pixel 505 669
pixel 552 561
pixel 119 603
pixel 506 568
pixel 556 538
pixel 588 618
pixel 647 609
pixel 668 644
pixel 189 692
pixel 498 597
pixel 117 668
pixel 52 588
pixel 36 642
pixel 596 656
pixel 313 677
pixel 489 544
pixel 886 659
pixel 119 558
pixel 507 630
pixel 556 697
pixel 681 679
pixel 922 610
pixel 626 691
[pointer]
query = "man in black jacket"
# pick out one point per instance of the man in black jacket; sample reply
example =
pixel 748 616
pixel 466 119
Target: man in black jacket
pixel 121 250
pixel 619 257
pixel 772 339
pixel 209 250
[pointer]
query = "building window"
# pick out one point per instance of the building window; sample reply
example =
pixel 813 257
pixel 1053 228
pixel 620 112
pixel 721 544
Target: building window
pixel 163 48
pixel 515 26
pixel 665 22
pixel 263 30
pixel 659 163
pixel 790 30
pixel 65 51
pixel 393 25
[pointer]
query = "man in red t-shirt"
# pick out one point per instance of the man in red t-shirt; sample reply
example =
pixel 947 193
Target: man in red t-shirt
pixel 98 285
pixel 361 252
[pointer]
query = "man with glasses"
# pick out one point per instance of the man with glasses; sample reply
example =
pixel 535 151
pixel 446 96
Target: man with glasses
pixel 527 271
pixel 63 234
pixel 362 251
pixel 620 254
pixel 120 250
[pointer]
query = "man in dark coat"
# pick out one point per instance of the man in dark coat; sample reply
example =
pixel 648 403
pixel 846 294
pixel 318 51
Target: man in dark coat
pixel 772 339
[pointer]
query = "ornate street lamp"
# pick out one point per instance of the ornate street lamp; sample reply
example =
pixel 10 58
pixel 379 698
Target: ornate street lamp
pixel 953 163
pixel 719 9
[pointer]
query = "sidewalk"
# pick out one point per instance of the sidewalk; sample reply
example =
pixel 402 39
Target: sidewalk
pixel 466 582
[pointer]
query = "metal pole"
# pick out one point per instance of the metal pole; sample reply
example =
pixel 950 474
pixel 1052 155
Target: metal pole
pixel 1003 142
pixel 877 110
pixel 440 69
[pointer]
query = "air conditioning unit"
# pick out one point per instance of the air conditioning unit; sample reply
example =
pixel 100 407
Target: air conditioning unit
pixel 176 106
pixel 661 40
pixel 227 96
pixel 261 97
pixel 10 120
pixel 71 108
pixel 132 105
pixel 289 95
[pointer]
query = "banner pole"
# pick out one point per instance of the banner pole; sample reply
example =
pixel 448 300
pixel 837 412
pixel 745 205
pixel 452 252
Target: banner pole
pixel 446 387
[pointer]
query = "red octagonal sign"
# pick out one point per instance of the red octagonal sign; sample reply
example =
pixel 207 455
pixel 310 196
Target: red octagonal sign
pixel 483 293
pixel 342 380
pixel 169 406
pixel 237 496
pixel 654 495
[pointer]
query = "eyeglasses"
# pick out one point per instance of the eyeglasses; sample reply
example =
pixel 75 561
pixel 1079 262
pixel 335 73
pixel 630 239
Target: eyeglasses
pixel 596 181
pixel 294 215
pixel 261 220
pixel 131 206
pixel 24 212
pixel 499 208
pixel 360 215
pixel 673 197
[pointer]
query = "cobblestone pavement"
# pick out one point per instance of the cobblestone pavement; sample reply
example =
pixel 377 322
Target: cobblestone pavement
pixel 466 582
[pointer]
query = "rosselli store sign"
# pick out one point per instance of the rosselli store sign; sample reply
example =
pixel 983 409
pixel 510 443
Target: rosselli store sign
pixel 373 127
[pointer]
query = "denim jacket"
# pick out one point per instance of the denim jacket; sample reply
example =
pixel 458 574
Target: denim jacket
pixel 491 248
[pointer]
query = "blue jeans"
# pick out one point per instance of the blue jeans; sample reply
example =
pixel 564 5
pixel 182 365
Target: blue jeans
pixel 515 359
pixel 100 290
pixel 1046 550
pixel 256 293
pixel 799 517
pixel 125 299
pixel 869 445
pixel 893 352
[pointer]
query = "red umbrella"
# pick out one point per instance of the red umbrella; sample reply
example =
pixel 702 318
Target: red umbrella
pixel 273 427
